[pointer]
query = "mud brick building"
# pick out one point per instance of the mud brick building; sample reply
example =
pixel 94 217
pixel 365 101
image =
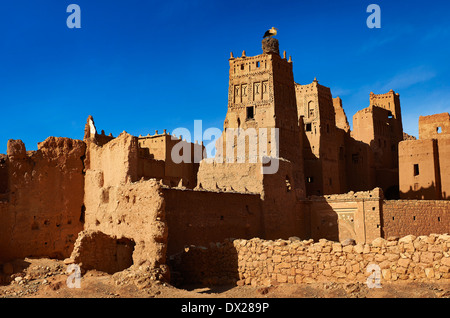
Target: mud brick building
pixel 126 197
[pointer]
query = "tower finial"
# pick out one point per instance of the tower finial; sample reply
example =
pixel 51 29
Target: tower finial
pixel 243 53
pixel 284 54
pixel 231 55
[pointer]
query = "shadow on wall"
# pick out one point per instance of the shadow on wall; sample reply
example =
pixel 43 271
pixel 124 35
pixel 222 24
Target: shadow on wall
pixel 392 193
pixel 332 222
pixel 422 193
pixel 213 266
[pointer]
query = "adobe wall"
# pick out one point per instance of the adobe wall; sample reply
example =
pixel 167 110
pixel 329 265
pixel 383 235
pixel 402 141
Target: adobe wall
pixel 419 169
pixel 242 177
pixel 283 212
pixel 417 217
pixel 45 209
pixel 346 216
pixel 129 211
pixel 341 117
pixel 260 262
pixel 156 159
pixel 99 251
pixel 424 168
pixel 199 217
pixel 117 160
pixel 428 126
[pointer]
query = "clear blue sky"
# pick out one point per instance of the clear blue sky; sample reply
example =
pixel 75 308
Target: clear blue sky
pixel 142 66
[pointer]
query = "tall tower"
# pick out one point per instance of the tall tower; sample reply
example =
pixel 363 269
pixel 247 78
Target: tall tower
pixel 380 126
pixel 323 144
pixel 262 95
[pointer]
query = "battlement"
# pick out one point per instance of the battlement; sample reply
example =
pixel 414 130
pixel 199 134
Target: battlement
pixel 311 88
pixel 389 101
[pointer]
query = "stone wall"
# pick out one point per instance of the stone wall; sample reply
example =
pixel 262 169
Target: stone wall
pixel 261 263
pixel 417 217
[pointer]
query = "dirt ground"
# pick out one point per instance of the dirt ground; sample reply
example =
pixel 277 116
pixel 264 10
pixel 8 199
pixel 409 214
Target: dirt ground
pixel 47 278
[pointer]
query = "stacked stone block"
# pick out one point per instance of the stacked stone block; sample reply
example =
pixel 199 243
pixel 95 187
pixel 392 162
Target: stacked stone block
pixel 259 262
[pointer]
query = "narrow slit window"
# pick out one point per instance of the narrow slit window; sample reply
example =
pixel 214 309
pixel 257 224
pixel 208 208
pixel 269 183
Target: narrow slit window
pixel 416 170
pixel 439 130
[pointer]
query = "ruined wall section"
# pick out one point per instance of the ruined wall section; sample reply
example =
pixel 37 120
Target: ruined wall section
pixel 116 161
pixel 341 117
pixel 260 262
pixel 157 150
pixel 417 217
pixel 242 177
pixel 45 211
pixel 133 212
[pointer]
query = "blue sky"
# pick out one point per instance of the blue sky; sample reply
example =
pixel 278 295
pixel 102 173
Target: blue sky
pixel 142 66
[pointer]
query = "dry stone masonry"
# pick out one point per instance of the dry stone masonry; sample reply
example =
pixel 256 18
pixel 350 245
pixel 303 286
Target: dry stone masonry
pixel 260 262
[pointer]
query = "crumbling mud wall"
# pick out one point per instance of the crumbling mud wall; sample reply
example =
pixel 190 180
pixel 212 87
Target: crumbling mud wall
pixel 242 177
pixel 43 212
pixel 97 250
pixel 132 212
pixel 260 262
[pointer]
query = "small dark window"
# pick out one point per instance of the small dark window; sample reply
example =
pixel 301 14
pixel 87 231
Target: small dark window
pixel 308 127
pixel 250 113
pixel 310 179
pixel 242 66
pixel 355 158
pixel 328 128
pixel 257 64
pixel 439 219
pixel 416 170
